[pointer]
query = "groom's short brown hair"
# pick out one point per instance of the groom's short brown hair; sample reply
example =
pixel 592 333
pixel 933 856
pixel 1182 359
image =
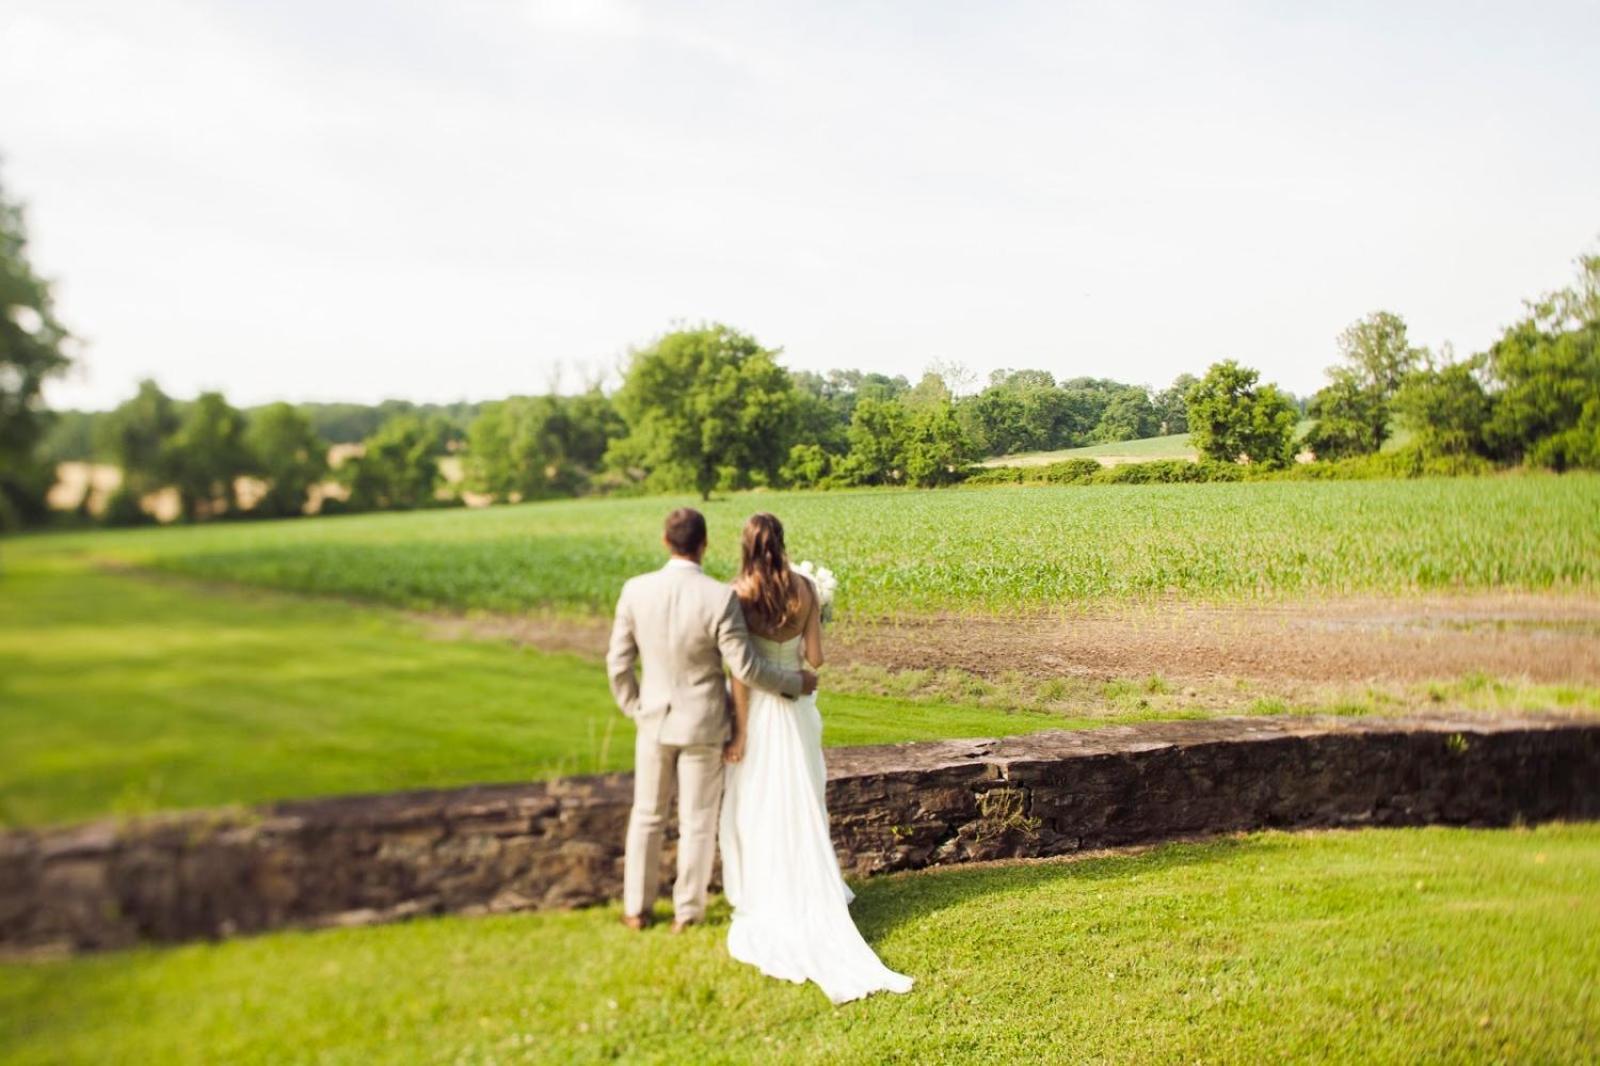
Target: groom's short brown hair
pixel 686 530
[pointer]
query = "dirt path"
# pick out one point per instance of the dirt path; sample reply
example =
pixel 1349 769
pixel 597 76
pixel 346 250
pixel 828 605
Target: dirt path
pixel 1543 637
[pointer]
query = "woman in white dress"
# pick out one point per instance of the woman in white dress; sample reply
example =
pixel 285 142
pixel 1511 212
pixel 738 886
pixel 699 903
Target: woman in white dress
pixel 791 915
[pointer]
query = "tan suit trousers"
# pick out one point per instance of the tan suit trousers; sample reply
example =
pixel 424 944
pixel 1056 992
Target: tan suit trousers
pixel 697 771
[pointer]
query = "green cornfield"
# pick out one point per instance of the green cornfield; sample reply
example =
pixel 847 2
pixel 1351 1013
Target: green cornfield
pixel 898 551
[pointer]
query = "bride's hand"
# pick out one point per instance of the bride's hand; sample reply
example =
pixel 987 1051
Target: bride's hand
pixel 733 750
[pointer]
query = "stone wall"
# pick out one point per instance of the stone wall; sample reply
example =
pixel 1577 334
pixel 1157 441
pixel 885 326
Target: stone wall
pixel 360 859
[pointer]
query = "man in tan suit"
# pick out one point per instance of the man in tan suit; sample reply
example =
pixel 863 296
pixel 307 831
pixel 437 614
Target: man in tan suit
pixel 682 626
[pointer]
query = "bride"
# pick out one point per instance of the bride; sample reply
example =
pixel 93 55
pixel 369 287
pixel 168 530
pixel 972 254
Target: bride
pixel 790 903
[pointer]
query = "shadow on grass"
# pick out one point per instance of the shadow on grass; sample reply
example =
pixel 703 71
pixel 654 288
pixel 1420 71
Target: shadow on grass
pixel 886 903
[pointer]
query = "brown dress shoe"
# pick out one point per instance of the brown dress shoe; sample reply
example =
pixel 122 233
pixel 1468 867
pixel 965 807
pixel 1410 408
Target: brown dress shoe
pixel 682 924
pixel 637 922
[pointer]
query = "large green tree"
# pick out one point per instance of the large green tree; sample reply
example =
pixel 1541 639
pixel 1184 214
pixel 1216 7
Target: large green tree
pixel 1351 417
pixel 1128 415
pixel 1232 417
pixel 398 468
pixel 877 443
pixel 1019 411
pixel 33 347
pixel 207 455
pixel 531 447
pixel 1377 349
pixel 930 392
pixel 1446 408
pixel 288 455
pixel 1353 411
pixel 1547 370
pixel 1172 405
pixel 593 422
pixel 825 404
pixel 706 408
pixel 135 436
pixel 935 449
pixel 517 449
pixel 1084 402
pixel 807 466
pixel 995 422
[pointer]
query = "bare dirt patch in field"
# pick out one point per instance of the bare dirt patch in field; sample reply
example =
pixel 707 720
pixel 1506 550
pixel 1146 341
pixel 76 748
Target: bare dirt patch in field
pixel 575 636
pixel 1542 637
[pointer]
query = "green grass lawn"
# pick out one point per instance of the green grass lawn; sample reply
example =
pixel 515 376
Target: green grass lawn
pixel 125 694
pixel 902 551
pixel 1435 945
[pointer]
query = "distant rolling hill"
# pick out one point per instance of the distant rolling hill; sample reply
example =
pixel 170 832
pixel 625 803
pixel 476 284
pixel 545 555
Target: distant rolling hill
pixel 1175 446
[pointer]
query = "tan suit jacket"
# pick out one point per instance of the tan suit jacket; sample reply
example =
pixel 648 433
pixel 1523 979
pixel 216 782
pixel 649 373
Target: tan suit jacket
pixel 681 626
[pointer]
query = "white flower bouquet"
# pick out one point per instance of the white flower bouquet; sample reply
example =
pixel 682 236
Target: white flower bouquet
pixel 825 583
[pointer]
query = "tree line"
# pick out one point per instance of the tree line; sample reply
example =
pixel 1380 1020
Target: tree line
pixel 1532 398
pixel 711 409
pixel 72 435
pixel 202 449
pixel 704 409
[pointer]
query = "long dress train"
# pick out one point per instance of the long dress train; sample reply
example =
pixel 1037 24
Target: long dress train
pixel 791 916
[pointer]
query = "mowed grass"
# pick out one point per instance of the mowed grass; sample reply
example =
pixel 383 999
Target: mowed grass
pixel 899 552
pixel 125 694
pixel 1433 945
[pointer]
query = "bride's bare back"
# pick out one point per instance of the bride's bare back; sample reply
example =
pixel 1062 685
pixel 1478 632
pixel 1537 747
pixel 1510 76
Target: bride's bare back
pixel 807 622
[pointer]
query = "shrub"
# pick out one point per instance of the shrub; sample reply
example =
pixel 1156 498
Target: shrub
pixel 1577 448
pixel 1410 462
pixel 1231 415
pixel 1170 472
pixel 808 465
pixel 1160 471
pixel 1066 472
pixel 1407 462
pixel 993 475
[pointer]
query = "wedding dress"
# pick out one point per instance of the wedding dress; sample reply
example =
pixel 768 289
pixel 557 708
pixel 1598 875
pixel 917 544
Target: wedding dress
pixel 791 915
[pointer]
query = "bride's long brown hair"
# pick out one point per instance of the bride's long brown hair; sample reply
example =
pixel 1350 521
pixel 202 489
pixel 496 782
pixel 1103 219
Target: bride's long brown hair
pixel 767 588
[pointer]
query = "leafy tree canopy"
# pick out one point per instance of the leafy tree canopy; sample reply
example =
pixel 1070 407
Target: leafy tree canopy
pixel 289 455
pixel 877 442
pixel 1172 406
pixel 33 348
pixel 207 454
pixel 1351 417
pixel 532 447
pixel 1547 372
pixel 935 450
pixel 1446 407
pixel 399 465
pixel 1231 417
pixel 706 408
pixel 135 436
pixel 1353 411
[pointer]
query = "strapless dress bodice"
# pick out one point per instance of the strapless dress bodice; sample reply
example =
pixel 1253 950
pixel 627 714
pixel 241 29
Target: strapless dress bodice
pixel 782 653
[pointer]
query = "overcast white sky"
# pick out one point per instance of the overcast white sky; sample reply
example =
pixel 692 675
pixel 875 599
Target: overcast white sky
pixel 312 199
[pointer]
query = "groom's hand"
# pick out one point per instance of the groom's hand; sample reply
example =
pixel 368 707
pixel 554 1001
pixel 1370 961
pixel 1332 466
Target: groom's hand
pixel 808 682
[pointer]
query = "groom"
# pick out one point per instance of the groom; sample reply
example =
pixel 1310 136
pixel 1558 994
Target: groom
pixel 683 627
